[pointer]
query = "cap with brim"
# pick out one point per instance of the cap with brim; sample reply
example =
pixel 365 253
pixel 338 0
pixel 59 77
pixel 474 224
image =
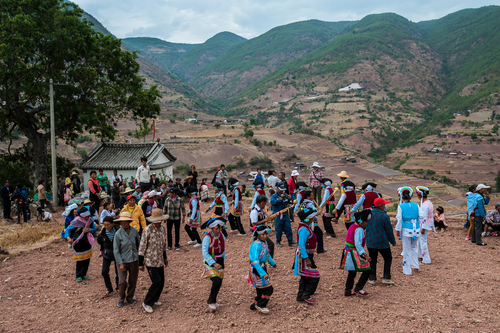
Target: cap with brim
pixel 213 222
pixel 6 181
pixel 131 197
pixel 157 216
pixel 137 186
pixel 177 179
pixel 152 194
pixel 343 174
pixel 124 217
pixel 281 186
pixel 481 186
pixel 380 202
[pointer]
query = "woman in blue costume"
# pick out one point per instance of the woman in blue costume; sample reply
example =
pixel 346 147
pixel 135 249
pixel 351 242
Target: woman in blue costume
pixel 257 275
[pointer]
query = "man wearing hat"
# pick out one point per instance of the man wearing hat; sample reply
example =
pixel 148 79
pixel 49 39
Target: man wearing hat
pixel 174 208
pixel 315 181
pixel 366 199
pixel 379 236
pixel 123 199
pixel 76 182
pixel 479 199
pixel 279 201
pixel 343 177
pixel 237 211
pixel 178 184
pixel 125 249
pixel 153 255
pixel 6 195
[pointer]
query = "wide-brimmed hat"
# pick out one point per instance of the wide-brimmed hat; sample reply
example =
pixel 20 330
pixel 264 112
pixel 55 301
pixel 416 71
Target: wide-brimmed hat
pixel 188 178
pixel 157 216
pixel 75 173
pixel 145 194
pixel 124 216
pixel 128 190
pixel 152 194
pixel 315 165
pixel 295 173
pixel 88 202
pixel 343 174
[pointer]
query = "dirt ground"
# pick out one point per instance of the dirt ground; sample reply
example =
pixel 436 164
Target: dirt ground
pixel 458 292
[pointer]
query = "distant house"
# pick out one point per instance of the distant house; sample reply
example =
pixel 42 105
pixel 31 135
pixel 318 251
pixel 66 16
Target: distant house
pixel 283 101
pixel 126 158
pixel 191 120
pixel 352 86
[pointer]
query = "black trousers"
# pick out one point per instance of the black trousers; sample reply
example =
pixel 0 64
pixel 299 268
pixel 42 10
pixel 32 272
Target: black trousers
pixel 193 233
pixel 270 244
pixel 263 295
pixel 170 224
pixel 44 202
pixel 82 267
pixel 116 202
pixel 348 225
pixel 440 225
pixel 478 229
pixel 106 263
pixel 327 223
pixel 387 255
pixel 235 222
pixel 319 239
pixel 24 210
pixel 361 282
pixel 144 187
pixel 216 284
pixel 6 210
pixel 307 287
pixel 157 276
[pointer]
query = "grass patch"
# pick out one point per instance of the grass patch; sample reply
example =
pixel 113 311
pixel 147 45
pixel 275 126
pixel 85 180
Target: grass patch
pixel 12 236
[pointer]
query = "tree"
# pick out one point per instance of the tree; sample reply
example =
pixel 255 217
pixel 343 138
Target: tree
pixel 49 39
pixel 497 181
pixel 145 128
pixel 195 116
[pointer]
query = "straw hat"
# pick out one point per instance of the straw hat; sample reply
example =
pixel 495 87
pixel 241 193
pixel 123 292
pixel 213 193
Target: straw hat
pixel 343 174
pixel 188 178
pixel 128 190
pixel 88 202
pixel 124 216
pixel 74 173
pixel 157 216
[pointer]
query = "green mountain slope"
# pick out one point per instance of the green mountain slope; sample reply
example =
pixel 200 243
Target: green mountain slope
pixel 200 56
pixel 248 62
pixel 469 42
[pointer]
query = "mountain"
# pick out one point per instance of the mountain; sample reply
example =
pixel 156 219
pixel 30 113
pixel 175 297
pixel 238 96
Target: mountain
pixel 184 60
pixel 250 61
pixel 469 43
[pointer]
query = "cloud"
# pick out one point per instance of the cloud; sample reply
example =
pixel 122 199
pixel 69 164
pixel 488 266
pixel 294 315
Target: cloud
pixel 197 20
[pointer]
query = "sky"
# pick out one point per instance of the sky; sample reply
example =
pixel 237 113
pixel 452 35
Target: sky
pixel 194 21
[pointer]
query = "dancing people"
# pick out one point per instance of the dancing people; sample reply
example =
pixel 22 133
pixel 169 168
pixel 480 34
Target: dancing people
pixel 237 211
pixel 258 217
pixel 427 224
pixel 329 203
pixel 194 221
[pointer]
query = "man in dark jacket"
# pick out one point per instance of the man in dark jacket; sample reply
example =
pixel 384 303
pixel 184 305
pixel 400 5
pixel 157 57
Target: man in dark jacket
pixel 6 195
pixel 20 197
pixel 379 234
pixel 105 239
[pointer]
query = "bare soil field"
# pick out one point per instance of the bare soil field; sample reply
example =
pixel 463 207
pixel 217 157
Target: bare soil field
pixel 458 292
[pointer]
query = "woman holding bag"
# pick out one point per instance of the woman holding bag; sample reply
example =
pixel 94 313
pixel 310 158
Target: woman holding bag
pixel 354 257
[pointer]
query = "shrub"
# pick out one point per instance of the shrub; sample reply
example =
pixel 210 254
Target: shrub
pixel 82 152
pixel 230 167
pixel 217 125
pixel 240 163
pixel 263 162
pixel 172 121
pixel 83 138
pixel 257 142
pixel 182 168
pixel 249 133
pixel 430 172
pixel 237 141
pixel 130 133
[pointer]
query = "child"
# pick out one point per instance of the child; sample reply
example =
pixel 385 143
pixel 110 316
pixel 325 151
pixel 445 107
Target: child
pixel 354 257
pixel 204 190
pixel 107 211
pixel 42 215
pixel 257 275
pixel 67 221
pixel 67 194
pixel 439 221
pixel 244 191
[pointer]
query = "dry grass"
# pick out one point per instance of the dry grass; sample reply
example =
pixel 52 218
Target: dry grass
pixel 12 236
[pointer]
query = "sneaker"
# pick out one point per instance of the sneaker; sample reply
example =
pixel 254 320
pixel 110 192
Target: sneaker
pixel 169 248
pixel 483 234
pixel 177 248
pixel 197 245
pixel 360 292
pixel 131 301
pixel 482 244
pixel 292 243
pixel 242 234
pixel 212 307
pixel 157 303
pixel 372 281
pixel 147 308
pixel 120 304
pixel 79 279
pixel 348 294
pixel 279 245
pixel 233 231
pixel 467 238
pixel 85 278
pixel 387 281
pixel 309 300
pixel 262 310
pixel 192 242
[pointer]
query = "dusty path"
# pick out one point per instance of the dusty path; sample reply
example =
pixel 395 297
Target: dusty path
pixel 459 292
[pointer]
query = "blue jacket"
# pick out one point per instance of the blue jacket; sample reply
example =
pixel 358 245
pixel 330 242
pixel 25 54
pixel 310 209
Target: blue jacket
pixel 379 231
pixel 277 203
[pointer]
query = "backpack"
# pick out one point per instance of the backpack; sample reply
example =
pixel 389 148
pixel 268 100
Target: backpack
pixel 215 178
pixel 22 198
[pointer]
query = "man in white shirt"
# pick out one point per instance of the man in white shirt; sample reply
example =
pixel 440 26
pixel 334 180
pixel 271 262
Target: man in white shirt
pixel 259 216
pixel 116 177
pixel 222 177
pixel 272 180
pixel 142 175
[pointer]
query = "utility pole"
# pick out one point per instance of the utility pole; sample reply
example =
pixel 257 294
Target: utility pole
pixel 53 142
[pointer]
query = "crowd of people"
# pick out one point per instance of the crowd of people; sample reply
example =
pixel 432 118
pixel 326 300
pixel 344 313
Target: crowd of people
pixel 137 228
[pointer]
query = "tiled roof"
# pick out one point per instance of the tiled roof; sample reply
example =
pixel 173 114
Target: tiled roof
pixel 125 156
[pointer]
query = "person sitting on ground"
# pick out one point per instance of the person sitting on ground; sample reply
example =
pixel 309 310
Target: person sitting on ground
pixel 245 192
pixel 42 215
pixel 204 190
pixel 439 220
pixel 108 211
pixel 493 221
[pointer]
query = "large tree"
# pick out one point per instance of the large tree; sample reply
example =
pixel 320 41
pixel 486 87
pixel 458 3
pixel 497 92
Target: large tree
pixel 98 81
